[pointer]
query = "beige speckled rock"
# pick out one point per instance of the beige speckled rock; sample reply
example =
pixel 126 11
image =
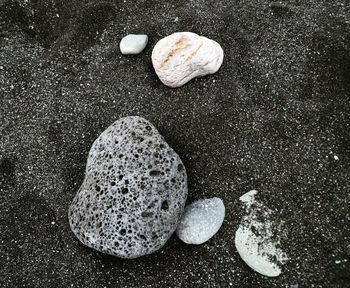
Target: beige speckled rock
pixel 182 56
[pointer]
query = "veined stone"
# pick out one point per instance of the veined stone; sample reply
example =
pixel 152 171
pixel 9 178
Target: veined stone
pixel 182 56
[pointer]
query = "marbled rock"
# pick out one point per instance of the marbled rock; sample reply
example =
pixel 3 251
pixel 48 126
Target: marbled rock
pixel 133 44
pixel 182 56
pixel 201 220
pixel 133 193
pixel 255 240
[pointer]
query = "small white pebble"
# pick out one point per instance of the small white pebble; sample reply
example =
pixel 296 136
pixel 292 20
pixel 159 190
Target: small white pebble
pixel 53 222
pixel 336 157
pixel 337 261
pixel 133 44
pixel 176 19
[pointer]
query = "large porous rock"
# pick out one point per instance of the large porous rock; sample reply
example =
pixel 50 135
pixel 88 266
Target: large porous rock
pixel 133 193
pixel 182 56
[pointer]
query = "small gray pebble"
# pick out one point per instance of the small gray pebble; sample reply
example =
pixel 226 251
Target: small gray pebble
pixel 133 44
pixel 201 220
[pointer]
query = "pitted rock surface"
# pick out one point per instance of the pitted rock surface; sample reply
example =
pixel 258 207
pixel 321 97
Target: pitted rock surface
pixel 133 193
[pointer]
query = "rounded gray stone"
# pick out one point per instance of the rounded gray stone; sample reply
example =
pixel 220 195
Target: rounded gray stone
pixel 201 221
pixel 133 193
pixel 133 44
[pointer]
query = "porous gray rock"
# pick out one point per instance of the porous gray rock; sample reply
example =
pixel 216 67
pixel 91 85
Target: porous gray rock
pixel 133 193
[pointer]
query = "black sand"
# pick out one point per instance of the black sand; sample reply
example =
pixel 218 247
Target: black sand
pixel 275 118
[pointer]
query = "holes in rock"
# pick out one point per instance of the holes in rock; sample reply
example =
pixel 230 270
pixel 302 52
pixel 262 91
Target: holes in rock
pixel 165 205
pixel 121 177
pixel 122 232
pixel 126 181
pixel 125 190
pixel 112 183
pixel 146 214
pixel 180 167
pixel 143 237
pixel 98 188
pixel 148 128
pixel 153 204
pixel 154 173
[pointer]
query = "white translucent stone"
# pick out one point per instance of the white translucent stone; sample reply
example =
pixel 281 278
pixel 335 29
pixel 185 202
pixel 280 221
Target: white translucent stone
pixel 248 198
pixel 201 220
pixel 133 44
pixel 247 245
pixel 255 241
